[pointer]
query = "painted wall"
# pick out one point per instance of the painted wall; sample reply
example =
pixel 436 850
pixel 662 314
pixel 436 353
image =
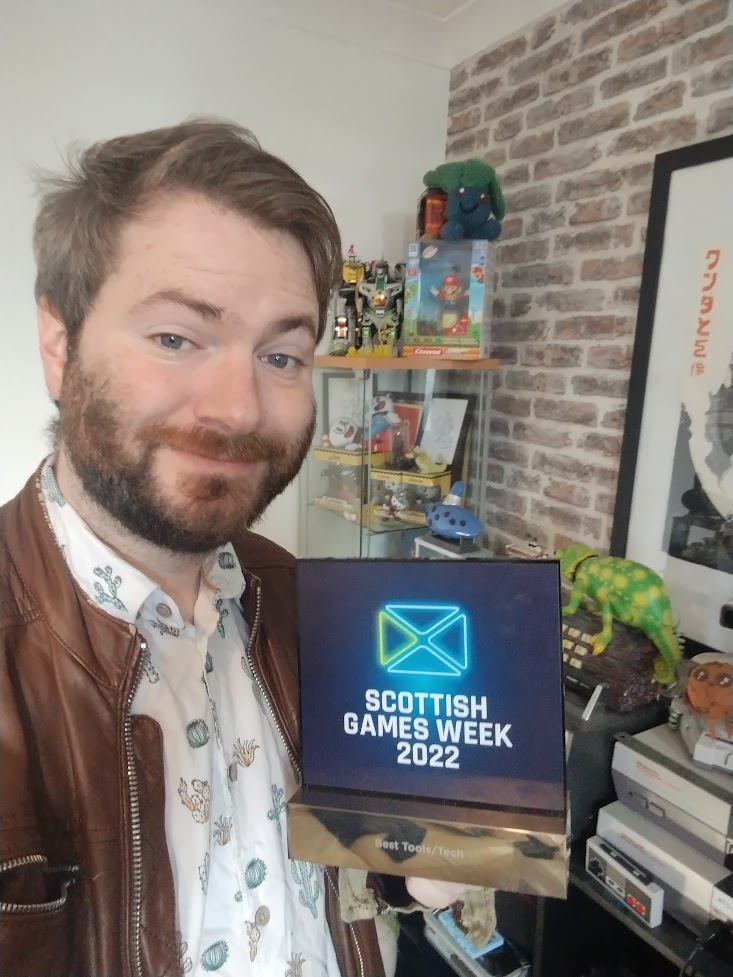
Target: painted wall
pixel 359 123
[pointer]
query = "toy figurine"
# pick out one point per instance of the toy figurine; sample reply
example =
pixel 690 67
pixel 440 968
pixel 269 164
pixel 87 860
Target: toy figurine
pixel 431 209
pixel 396 501
pixel 340 339
pixel 703 710
pixel 351 485
pixel 382 307
pixel 365 347
pixel 424 463
pixel 450 520
pixel 453 300
pixel 628 591
pixel 347 305
pixel 709 692
pixel 342 434
pixel 383 405
pixel 475 205
pixel 383 423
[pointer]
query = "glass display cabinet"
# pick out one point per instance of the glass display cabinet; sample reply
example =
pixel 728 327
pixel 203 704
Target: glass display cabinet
pixel 392 436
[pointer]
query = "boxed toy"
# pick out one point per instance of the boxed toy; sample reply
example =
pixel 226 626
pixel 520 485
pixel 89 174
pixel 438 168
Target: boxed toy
pixel 448 292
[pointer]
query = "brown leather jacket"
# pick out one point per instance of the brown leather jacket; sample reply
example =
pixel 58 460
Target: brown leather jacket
pixel 86 887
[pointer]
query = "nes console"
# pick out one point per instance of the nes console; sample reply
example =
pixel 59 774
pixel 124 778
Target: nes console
pixel 654 774
pixel 694 886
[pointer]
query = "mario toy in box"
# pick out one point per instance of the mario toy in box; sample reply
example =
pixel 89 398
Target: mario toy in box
pixel 447 299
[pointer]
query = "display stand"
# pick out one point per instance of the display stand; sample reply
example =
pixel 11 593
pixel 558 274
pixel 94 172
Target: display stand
pixel 360 496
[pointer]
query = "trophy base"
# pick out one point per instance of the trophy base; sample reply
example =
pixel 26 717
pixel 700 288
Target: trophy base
pixel 515 852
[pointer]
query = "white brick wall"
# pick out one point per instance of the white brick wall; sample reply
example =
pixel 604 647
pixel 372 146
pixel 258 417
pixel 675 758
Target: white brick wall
pixel 571 111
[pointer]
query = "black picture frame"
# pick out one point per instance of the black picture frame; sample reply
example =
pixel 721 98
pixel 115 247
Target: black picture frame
pixel 648 362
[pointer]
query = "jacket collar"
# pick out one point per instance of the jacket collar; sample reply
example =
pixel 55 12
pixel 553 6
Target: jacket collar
pixel 108 579
pixel 102 645
pixel 44 588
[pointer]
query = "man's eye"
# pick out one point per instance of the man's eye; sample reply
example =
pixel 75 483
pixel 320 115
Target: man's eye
pixel 169 340
pixel 281 361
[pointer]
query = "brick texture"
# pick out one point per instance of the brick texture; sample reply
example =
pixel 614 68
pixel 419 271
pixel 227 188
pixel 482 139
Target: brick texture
pixel 571 111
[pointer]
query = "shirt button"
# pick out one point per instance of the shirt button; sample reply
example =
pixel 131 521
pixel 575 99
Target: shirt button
pixel 163 610
pixel 262 916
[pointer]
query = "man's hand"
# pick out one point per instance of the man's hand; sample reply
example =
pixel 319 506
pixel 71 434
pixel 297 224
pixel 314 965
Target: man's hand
pixel 436 895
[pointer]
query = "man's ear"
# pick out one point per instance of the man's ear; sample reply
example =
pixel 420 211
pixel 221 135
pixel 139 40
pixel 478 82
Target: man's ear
pixel 53 342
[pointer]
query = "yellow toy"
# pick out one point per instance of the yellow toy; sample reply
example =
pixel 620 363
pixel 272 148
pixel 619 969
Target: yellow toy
pixel 425 462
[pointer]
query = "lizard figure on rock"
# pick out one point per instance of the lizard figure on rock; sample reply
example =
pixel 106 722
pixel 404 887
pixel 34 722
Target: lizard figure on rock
pixel 631 593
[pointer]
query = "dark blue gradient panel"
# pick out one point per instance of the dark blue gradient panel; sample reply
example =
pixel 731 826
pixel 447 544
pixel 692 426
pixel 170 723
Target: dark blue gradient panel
pixel 433 679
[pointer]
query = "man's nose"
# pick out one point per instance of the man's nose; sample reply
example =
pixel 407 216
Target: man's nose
pixel 229 397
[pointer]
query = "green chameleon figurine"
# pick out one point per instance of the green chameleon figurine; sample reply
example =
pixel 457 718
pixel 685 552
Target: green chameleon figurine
pixel 628 591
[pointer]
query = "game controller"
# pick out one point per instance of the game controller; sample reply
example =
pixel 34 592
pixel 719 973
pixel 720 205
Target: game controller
pixel 626 880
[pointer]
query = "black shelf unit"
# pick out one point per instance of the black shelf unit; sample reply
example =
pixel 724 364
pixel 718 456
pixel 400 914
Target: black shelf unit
pixel 569 938
pixel 565 938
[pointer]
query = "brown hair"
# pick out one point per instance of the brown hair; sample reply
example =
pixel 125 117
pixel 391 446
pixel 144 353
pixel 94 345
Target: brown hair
pixel 82 213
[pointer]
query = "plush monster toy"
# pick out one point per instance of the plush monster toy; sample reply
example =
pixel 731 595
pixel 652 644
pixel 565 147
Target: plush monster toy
pixel 475 205
pixel 628 591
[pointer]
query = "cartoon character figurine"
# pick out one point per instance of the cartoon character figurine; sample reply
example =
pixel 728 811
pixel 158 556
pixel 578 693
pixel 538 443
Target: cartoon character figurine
pixel 383 423
pixel 397 502
pixel 628 591
pixel 709 693
pixel 702 711
pixel 343 434
pixel 452 298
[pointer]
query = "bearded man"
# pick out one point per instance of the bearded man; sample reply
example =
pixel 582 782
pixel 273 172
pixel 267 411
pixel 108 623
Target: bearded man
pixel 148 659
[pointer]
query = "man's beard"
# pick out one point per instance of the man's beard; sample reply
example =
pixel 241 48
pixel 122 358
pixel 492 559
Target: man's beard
pixel 117 471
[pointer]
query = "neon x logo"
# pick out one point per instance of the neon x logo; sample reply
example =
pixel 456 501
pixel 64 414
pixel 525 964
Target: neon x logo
pixel 423 639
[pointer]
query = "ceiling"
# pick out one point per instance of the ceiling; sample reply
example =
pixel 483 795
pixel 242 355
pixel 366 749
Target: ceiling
pixel 442 33
pixel 440 10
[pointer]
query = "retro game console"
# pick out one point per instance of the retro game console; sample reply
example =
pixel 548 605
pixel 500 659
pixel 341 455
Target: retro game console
pixel 688 878
pixel 654 774
pixel 628 882
pixel 591 732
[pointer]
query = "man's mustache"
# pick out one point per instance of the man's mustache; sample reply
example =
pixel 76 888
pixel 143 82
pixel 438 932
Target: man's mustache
pixel 245 448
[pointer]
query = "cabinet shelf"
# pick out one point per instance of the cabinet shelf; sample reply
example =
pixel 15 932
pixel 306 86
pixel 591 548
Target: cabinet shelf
pixel 375 526
pixel 670 939
pixel 378 410
pixel 403 363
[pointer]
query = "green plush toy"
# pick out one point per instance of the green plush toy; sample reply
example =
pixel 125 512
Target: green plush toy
pixel 475 206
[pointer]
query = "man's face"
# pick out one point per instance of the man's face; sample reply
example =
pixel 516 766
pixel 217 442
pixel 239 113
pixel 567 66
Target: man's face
pixel 187 406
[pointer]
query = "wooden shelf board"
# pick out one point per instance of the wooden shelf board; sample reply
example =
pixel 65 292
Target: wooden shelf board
pixel 403 363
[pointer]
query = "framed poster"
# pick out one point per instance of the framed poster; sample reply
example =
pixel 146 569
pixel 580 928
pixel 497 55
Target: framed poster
pixel 674 504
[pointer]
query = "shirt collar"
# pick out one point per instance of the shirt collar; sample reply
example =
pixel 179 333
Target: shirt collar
pixel 106 577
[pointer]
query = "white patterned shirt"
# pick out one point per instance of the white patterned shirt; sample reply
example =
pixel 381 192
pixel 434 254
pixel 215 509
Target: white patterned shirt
pixel 242 906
